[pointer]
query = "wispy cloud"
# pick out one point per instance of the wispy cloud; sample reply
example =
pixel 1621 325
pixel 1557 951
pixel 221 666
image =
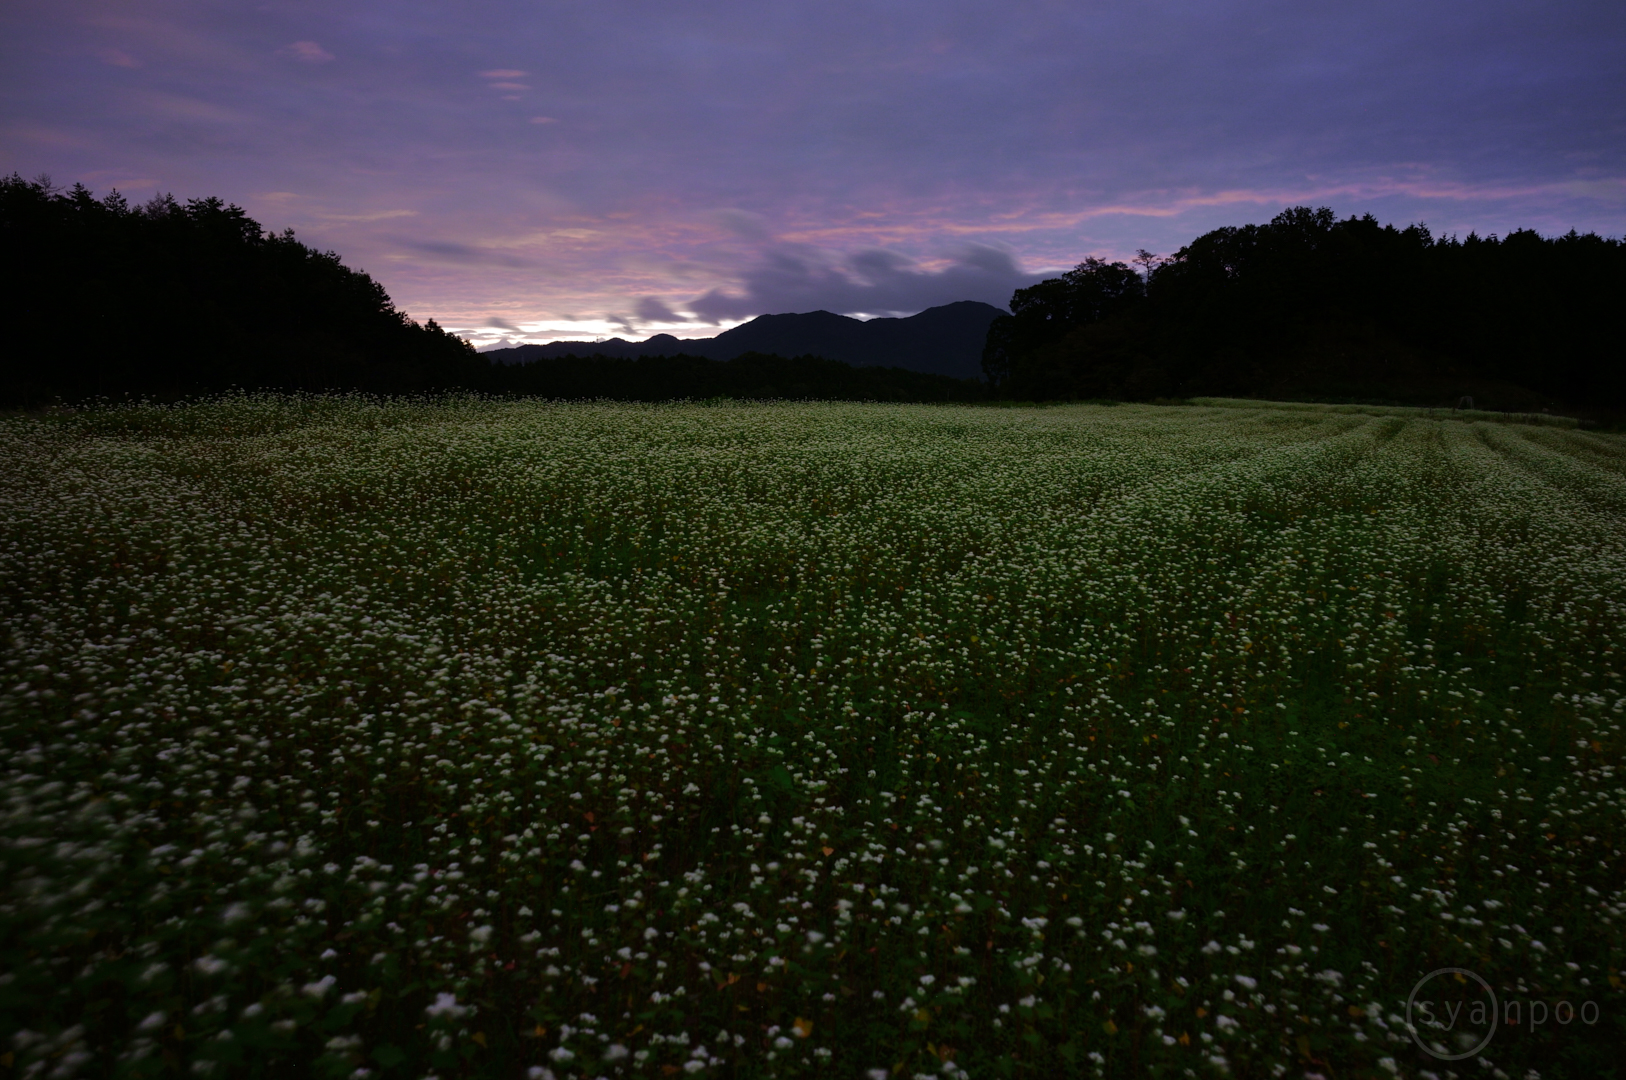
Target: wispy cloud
pixel 182 107
pixel 870 158
pixel 448 251
pixel 308 52
pixel 376 215
pixel 650 310
pixel 506 79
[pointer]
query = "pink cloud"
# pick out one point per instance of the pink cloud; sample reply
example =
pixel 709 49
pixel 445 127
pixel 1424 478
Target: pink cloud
pixel 307 51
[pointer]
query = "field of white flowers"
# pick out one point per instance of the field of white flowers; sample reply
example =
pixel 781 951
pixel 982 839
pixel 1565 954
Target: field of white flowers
pixel 463 738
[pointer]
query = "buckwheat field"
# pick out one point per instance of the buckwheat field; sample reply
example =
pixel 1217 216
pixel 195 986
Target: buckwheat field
pixel 462 738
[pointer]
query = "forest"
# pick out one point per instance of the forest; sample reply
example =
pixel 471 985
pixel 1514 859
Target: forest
pixel 1309 307
pixel 103 298
pixel 170 299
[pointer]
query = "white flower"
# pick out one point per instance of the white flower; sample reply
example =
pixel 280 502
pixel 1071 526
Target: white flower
pixel 210 965
pixel 1246 983
pixel 446 1005
pixel 319 988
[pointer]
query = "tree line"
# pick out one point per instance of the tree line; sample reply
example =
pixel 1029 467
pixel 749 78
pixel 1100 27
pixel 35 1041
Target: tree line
pixel 103 298
pixel 1312 307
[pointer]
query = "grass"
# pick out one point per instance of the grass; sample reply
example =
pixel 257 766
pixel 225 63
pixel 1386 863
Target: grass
pixel 1416 412
pixel 462 738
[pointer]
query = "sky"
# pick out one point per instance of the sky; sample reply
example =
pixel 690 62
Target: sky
pixel 528 171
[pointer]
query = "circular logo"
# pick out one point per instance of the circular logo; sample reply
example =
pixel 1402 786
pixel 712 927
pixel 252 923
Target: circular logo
pixel 1445 1005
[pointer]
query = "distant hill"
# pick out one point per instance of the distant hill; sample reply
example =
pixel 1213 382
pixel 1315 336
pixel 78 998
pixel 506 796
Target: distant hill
pixel 946 340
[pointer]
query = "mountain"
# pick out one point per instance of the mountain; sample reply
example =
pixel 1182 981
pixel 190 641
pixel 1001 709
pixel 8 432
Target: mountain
pixel 944 340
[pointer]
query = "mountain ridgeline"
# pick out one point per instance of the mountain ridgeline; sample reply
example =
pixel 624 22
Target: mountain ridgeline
pixel 1311 307
pixel 102 298
pixel 946 340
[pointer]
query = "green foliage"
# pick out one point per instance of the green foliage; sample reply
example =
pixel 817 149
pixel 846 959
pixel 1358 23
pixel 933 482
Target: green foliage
pixel 479 738
pixel 752 376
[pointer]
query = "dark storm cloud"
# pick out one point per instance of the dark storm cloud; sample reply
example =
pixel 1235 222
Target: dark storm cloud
pixel 649 309
pixel 569 156
pixel 872 281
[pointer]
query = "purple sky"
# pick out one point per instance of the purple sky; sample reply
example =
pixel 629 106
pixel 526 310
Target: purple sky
pixel 536 170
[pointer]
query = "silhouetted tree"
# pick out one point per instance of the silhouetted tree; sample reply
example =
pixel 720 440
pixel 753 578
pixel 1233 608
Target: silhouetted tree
pixel 105 298
pixel 1041 314
pixel 1311 306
